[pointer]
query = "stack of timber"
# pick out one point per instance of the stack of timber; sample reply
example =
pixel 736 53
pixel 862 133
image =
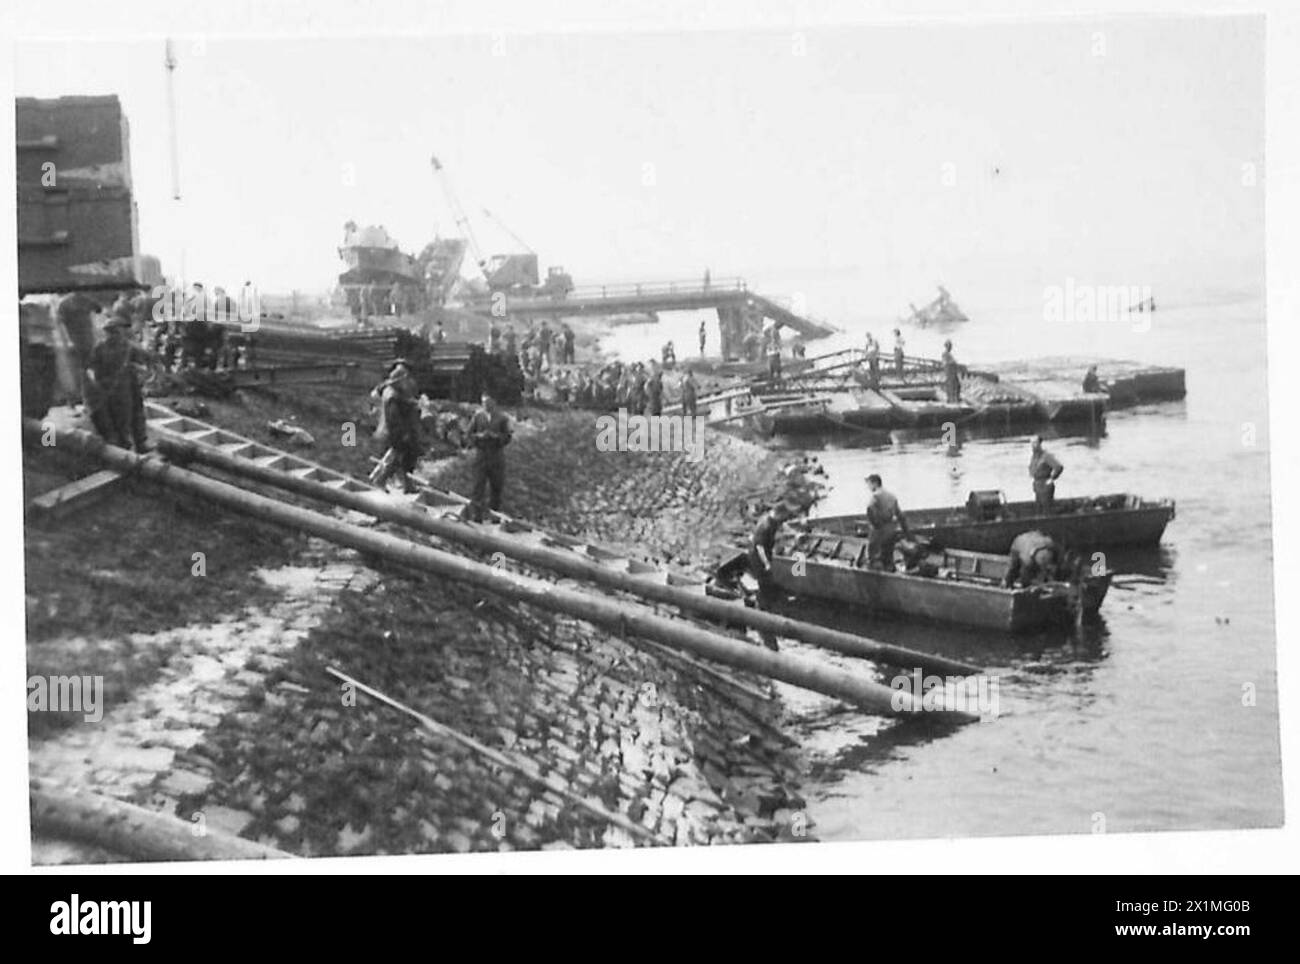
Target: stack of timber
pixel 457 371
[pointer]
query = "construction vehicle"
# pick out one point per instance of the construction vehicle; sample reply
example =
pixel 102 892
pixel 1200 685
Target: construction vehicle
pixel 513 273
pixel 378 274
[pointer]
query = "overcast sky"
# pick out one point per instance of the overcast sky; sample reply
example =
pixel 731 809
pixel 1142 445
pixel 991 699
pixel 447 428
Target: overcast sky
pixel 852 166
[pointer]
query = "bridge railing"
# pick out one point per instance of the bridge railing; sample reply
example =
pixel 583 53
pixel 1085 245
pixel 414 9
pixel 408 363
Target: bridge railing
pixel 695 286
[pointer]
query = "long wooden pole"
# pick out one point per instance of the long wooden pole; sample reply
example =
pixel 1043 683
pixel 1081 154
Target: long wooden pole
pixel 134 832
pixel 568 563
pixel 614 615
pixel 551 783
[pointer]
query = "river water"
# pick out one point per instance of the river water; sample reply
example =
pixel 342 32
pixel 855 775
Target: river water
pixel 1161 716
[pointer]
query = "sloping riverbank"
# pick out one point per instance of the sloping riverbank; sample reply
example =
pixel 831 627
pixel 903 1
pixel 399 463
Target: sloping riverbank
pixel 274 750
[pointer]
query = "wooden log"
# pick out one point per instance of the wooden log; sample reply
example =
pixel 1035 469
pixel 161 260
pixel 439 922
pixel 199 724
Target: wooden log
pixel 134 832
pixel 614 615
pixel 570 564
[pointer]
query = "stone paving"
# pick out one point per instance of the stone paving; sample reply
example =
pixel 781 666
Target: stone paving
pixel 243 730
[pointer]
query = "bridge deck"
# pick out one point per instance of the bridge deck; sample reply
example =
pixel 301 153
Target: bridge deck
pixel 667 296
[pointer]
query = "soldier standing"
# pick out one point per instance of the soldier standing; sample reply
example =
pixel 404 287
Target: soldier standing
pixel 654 388
pixel 1044 470
pixel 951 376
pixel 886 519
pixel 113 392
pixel 400 427
pixel 774 354
pixel 690 396
pixel 489 433
pixel 898 353
pixel 636 393
pixel 873 363
pixel 704 332
pixel 567 335
pixel 544 338
pixel 762 542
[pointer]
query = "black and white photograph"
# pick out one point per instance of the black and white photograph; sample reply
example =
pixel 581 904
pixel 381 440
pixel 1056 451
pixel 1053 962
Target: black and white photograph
pixel 746 436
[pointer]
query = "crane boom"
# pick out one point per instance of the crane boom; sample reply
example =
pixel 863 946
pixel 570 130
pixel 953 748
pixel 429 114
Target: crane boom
pixel 505 227
pixel 458 213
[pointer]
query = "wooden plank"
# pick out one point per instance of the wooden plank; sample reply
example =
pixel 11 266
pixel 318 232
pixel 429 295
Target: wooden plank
pixel 76 495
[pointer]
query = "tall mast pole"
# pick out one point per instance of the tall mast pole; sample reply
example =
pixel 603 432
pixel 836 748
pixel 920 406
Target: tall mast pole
pixel 169 62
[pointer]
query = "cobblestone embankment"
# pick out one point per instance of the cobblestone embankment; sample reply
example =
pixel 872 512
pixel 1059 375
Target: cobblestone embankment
pixel 245 731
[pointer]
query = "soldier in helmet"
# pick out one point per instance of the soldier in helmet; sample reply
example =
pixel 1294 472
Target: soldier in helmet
pixel 113 390
pixel 399 427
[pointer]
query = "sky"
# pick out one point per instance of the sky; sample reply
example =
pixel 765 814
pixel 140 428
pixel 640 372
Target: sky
pixel 852 168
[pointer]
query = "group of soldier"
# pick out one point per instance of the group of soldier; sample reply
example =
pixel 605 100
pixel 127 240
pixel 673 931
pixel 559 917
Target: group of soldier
pixel 952 370
pixel 766 344
pixel 400 432
pixel 367 301
pixel 639 388
pixel 1034 557
pixel 116 348
pixel 540 348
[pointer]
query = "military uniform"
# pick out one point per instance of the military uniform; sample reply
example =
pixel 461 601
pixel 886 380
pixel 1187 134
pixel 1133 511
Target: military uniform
pixel 1035 557
pixel 401 426
pixel 689 397
pixel 113 393
pixel 951 375
pixel 1044 470
pixel 883 515
pixel 873 367
pixel 489 433
pixel 655 394
pixel 759 559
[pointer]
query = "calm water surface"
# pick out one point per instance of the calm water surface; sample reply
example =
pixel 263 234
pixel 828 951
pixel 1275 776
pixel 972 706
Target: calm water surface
pixel 1139 722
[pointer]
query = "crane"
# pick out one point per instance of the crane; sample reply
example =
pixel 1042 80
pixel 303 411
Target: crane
pixel 458 214
pixel 558 282
pixel 518 240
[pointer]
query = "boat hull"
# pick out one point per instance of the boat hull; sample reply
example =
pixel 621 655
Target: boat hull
pixel 934 598
pixel 1128 522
